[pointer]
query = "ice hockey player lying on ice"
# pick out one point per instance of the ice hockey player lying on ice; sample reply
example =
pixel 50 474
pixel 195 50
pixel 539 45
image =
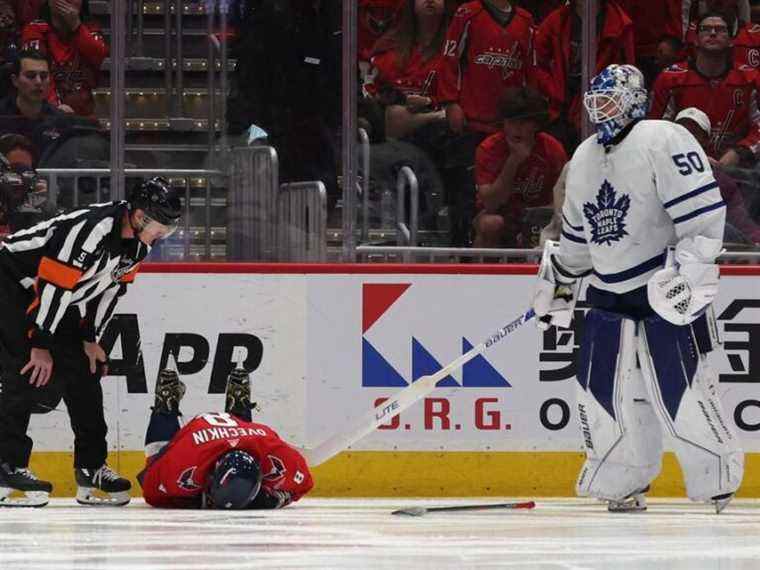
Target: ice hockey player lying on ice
pixel 634 190
pixel 218 460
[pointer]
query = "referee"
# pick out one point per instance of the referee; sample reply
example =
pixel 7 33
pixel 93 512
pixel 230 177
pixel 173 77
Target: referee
pixel 59 284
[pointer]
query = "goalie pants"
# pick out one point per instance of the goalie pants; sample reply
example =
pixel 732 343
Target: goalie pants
pixel 638 380
pixel 71 380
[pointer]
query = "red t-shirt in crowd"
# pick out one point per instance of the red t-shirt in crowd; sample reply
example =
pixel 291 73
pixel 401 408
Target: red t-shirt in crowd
pixel 481 58
pixel 183 469
pixel 730 101
pixel 535 178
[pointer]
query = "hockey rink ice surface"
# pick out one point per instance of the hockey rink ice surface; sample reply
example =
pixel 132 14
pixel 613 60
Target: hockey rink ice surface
pixel 568 534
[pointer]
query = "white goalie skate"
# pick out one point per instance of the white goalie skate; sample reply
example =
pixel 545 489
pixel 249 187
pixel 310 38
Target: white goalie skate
pixel 101 487
pixel 634 503
pixel 19 487
pixel 721 502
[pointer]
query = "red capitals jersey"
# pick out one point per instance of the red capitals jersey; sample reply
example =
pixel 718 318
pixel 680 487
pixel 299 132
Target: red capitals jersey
pixel 654 19
pixel 375 17
pixel 75 62
pixel 418 77
pixel 730 101
pixel 181 473
pixel 746 44
pixel 535 178
pixel 482 57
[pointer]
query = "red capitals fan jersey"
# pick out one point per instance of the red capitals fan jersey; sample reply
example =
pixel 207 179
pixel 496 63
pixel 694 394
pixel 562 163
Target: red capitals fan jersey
pixel 482 57
pixel 535 178
pixel 730 101
pixel 374 19
pixel 75 62
pixel 418 77
pixel 654 19
pixel 746 44
pixel 181 473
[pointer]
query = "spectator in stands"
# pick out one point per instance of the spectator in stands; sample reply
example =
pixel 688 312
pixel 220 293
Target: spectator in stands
pixel 375 18
pixel 653 19
pixel 745 37
pixel 515 169
pixel 670 50
pixel 27 10
pixel 741 8
pixel 22 194
pixel 740 228
pixel 407 61
pixel 76 50
pixel 9 42
pixel 30 76
pixel 488 48
pixel 559 51
pixel 711 83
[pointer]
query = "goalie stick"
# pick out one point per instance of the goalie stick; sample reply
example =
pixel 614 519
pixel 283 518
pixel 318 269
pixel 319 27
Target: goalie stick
pixel 404 398
pixel 421 511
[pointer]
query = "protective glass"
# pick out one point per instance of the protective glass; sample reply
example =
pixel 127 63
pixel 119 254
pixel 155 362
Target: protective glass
pixel 161 231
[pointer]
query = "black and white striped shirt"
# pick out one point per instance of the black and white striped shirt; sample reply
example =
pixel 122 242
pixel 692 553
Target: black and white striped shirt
pixel 78 259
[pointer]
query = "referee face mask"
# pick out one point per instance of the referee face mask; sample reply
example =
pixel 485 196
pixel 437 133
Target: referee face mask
pixel 148 230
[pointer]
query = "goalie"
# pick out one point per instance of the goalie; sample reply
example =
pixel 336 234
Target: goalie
pixel 218 460
pixel 644 218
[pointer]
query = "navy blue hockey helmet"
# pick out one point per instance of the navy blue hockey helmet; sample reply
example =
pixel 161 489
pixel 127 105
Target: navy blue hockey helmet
pixel 158 199
pixel 235 482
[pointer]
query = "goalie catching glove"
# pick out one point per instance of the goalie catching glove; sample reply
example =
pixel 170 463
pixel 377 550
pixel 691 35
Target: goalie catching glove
pixel 556 293
pixel 681 291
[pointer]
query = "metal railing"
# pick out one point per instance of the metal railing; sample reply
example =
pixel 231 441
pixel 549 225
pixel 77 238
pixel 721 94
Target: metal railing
pixel 408 254
pixel 54 177
pixel 406 233
pixel 302 222
pixel 252 204
pixel 364 140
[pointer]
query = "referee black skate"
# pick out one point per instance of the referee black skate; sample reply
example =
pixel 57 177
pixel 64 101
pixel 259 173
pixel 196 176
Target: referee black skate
pixel 59 284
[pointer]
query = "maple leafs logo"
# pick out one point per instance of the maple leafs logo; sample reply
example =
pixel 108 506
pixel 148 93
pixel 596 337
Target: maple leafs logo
pixel 607 216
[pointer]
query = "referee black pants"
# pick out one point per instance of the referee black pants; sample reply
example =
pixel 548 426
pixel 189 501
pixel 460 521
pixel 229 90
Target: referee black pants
pixel 71 381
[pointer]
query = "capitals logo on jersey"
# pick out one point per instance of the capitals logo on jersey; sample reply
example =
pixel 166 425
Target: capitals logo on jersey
pixel 508 61
pixel 186 481
pixel 607 216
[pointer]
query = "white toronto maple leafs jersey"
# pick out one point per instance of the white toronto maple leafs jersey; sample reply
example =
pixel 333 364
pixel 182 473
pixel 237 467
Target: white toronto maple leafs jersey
pixel 624 207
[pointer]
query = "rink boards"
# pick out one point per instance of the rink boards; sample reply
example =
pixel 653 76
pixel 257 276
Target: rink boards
pixel 326 343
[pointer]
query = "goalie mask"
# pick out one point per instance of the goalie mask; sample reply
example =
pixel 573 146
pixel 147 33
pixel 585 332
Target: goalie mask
pixel 615 99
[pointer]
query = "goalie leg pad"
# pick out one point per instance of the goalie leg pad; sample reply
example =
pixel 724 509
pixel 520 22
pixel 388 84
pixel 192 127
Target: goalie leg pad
pixel 622 437
pixel 683 389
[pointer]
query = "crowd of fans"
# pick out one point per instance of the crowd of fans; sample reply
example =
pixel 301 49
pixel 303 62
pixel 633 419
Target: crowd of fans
pixel 483 98
pixel 491 91
pixel 50 60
